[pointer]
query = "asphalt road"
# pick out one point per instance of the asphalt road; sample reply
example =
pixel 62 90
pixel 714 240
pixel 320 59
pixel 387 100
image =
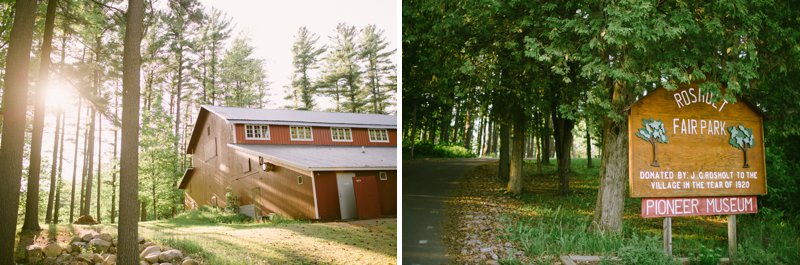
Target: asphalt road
pixel 426 185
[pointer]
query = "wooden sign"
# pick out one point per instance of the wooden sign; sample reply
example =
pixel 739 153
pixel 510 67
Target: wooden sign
pixel 683 145
pixel 671 207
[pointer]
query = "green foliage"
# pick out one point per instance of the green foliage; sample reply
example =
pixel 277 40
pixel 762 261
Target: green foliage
pixel 305 58
pixel 653 129
pixel 242 80
pixel 232 201
pixel 378 68
pixel 769 237
pixel 209 215
pixel 706 256
pixel 426 149
pixel 643 251
pixel 342 75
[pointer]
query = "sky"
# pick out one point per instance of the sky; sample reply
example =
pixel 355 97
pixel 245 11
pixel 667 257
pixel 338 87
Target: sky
pixel 272 26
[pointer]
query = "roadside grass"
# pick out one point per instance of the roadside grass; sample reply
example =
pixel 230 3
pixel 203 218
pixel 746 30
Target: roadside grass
pixel 546 225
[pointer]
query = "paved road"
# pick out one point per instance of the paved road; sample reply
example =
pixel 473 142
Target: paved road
pixel 426 185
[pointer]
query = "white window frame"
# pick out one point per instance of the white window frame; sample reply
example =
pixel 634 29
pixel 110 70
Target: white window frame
pixel 382 175
pixel 254 128
pixel 310 133
pixel 376 140
pixel 299 180
pixel 349 134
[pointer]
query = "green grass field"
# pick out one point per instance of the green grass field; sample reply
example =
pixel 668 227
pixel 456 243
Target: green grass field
pixel 218 238
pixel 546 225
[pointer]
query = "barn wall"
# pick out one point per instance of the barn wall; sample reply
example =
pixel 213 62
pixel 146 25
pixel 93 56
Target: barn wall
pixel 279 134
pixel 387 190
pixel 218 166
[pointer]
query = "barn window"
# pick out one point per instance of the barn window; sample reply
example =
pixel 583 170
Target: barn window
pixel 301 133
pixel 382 175
pixel 256 132
pixel 341 135
pixel 378 135
pixel 300 180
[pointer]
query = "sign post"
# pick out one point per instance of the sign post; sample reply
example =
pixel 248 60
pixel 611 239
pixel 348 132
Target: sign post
pixel 689 156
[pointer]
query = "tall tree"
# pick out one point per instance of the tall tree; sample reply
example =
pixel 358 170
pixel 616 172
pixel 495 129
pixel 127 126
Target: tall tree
pixel 127 249
pixel 342 74
pixel 53 167
pixel 60 185
pixel 242 76
pixel 75 162
pixel 32 202
pixel 305 57
pixel 216 30
pixel 15 98
pixel 379 67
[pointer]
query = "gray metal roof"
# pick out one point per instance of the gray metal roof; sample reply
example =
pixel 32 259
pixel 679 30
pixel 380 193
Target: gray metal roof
pixel 300 117
pixel 325 158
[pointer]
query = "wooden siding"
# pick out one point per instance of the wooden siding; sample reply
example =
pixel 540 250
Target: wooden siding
pixel 218 167
pixel 279 134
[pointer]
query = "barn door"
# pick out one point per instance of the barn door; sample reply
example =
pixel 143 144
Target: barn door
pixel 347 197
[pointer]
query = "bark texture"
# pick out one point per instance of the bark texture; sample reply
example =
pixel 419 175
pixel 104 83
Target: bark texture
pixel 503 171
pixel 128 230
pixel 15 99
pixel 515 180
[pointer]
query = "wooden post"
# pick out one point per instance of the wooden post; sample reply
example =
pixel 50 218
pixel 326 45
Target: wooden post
pixel 731 235
pixel 668 235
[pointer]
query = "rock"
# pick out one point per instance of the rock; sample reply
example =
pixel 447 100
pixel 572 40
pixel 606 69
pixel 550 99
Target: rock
pixel 495 257
pixel 112 250
pixel 105 236
pixel 79 263
pixel 189 261
pixel 34 253
pixel 96 258
pixel 99 245
pixel 149 250
pixel 114 242
pixel 86 236
pixel 170 255
pixel 85 220
pixel 52 250
pixel 142 262
pixel 165 263
pixel 77 246
pixel 110 260
pixel 484 250
pixel 141 239
pixel 152 257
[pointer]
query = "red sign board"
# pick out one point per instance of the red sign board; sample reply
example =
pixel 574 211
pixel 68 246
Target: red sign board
pixel 692 206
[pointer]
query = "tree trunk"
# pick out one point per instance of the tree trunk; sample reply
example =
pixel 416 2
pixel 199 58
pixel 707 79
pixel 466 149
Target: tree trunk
pixel 34 169
pixel 87 197
pixel 744 149
pixel 515 181
pixel 15 100
pixel 504 152
pixel 613 166
pixel 563 137
pixel 588 146
pixel 114 163
pixel 546 141
pixel 413 131
pixel 99 164
pixel 49 212
pixel 75 163
pixel 60 168
pixel 128 229
pixel 480 135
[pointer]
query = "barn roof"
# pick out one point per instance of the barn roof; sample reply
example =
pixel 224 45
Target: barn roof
pixel 325 158
pixel 301 117
pixel 291 117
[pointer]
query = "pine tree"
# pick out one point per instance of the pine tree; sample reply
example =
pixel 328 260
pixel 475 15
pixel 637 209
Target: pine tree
pixel 305 60
pixel 242 76
pixel 379 68
pixel 342 74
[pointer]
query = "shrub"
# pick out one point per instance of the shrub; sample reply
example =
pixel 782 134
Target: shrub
pixel 707 256
pixel 642 251
pixel 206 214
pixel 427 149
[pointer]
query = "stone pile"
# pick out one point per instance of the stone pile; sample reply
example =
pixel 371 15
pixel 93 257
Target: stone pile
pixel 90 247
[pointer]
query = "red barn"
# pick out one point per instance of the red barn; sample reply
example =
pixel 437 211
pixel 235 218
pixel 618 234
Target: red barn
pixel 299 164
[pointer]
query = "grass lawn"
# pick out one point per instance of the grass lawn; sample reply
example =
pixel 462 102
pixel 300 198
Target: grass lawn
pixel 545 225
pixel 282 242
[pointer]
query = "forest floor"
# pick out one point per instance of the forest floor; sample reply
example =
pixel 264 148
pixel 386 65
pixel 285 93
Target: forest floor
pixel 284 242
pixel 487 226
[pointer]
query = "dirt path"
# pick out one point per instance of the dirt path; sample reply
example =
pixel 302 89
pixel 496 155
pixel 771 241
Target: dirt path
pixel 427 184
